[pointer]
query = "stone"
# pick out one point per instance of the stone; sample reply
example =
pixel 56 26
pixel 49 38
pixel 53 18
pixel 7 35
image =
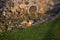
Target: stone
pixel 1 30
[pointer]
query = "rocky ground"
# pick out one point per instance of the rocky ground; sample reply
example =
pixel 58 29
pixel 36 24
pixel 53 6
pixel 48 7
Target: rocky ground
pixel 26 13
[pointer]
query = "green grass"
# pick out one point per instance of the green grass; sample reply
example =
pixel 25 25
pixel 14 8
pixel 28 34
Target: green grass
pixel 45 31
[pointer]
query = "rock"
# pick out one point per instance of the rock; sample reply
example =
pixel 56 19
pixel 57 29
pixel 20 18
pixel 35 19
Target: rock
pixel 9 28
pixel 1 30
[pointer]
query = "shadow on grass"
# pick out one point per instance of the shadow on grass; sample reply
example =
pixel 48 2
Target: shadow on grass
pixel 52 30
